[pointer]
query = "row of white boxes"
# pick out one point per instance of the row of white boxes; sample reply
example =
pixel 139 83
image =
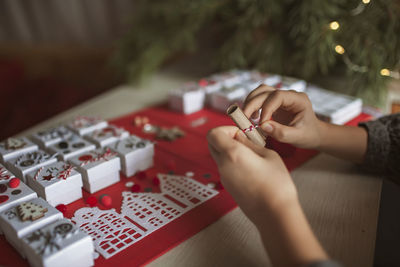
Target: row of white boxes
pixel 221 90
pixel 60 182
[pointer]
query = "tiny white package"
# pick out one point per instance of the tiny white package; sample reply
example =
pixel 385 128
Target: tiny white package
pixel 13 147
pixel 58 183
pixel 29 162
pixel 290 83
pixel 83 125
pixel 26 217
pixel 333 107
pixel 188 99
pixel 222 99
pixel 136 154
pixel 257 78
pixel 51 136
pixel 99 168
pixel 107 135
pixel 59 244
pixel 13 194
pixel 70 147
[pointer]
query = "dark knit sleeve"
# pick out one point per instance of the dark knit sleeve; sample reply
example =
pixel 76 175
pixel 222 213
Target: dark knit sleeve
pixel 383 151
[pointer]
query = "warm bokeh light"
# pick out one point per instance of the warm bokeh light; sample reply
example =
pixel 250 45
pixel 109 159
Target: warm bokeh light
pixel 334 25
pixel 385 72
pixel 339 49
pixel 366 1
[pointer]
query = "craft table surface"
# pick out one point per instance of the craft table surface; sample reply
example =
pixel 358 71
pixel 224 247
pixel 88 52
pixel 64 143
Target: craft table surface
pixel 340 202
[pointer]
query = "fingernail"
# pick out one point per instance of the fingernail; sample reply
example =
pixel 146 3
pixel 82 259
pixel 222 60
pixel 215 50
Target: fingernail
pixel 267 127
pixel 255 115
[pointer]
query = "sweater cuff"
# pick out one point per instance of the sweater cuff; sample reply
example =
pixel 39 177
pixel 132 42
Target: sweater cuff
pixel 378 146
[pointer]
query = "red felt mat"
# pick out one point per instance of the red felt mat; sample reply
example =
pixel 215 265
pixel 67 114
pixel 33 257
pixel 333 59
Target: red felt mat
pixel 188 154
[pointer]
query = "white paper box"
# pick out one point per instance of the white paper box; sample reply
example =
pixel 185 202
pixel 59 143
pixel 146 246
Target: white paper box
pixel 13 147
pixel 70 147
pixel 5 174
pixel 188 99
pixel 14 228
pixel 29 162
pixel 83 125
pixel 221 100
pixel 289 83
pixel 96 165
pixel 333 107
pixel 256 79
pixel 58 183
pixel 107 135
pixel 10 197
pixel 51 136
pixel 59 244
pixel 136 154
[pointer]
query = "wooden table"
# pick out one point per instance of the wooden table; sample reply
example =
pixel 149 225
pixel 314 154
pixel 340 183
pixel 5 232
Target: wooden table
pixel 341 203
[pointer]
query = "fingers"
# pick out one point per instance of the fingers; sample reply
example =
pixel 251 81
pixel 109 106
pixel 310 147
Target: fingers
pixel 282 133
pixel 255 99
pixel 222 138
pixel 242 138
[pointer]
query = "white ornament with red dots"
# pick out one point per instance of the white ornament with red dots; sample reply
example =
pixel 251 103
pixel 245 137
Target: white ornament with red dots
pixel 13 147
pixel 107 135
pixel 59 244
pixel 51 136
pixel 136 154
pixel 58 183
pixel 83 125
pixel 70 147
pixel 99 168
pixel 25 218
pixel 29 162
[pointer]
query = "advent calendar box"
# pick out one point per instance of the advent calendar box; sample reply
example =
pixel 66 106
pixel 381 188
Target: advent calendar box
pixel 58 183
pixel 59 244
pixel 333 107
pixel 70 147
pixel 222 99
pixel 136 154
pixel 256 79
pixel 29 162
pixel 188 99
pixel 12 190
pixel 13 147
pixel 107 135
pixel 51 136
pixel 25 218
pixel 99 168
pixel 289 83
pixel 83 125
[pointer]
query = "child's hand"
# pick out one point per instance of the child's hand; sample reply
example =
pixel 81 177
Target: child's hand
pixel 255 176
pixel 294 121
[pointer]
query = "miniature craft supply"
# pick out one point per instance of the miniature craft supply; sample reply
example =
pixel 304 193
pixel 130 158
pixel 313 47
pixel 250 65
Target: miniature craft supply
pixel 156 181
pixel 211 185
pixel 170 134
pixel 106 200
pixel 198 122
pixel 91 201
pixel 14 183
pixel 135 188
pixel 62 208
pixel 207 175
pixel 245 125
pixel 189 174
pixel 129 184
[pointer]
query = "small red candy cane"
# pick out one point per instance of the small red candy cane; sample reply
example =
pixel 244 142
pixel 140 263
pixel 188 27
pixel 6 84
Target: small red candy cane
pixel 251 128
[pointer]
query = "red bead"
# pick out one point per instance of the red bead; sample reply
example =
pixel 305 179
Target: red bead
pixel 62 208
pixel 203 82
pixel 3 198
pixel 14 183
pixel 91 201
pixel 135 188
pixel 219 185
pixel 141 175
pixel 171 165
pixel 156 181
pixel 106 200
pixel 85 157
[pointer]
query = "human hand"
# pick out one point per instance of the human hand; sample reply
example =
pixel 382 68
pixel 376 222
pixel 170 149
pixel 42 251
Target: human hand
pixel 294 120
pixel 255 176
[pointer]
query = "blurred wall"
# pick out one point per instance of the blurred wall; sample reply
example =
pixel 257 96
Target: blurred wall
pixel 84 22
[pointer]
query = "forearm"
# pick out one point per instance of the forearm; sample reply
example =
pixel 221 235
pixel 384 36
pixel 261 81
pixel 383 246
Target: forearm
pixel 345 142
pixel 288 238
